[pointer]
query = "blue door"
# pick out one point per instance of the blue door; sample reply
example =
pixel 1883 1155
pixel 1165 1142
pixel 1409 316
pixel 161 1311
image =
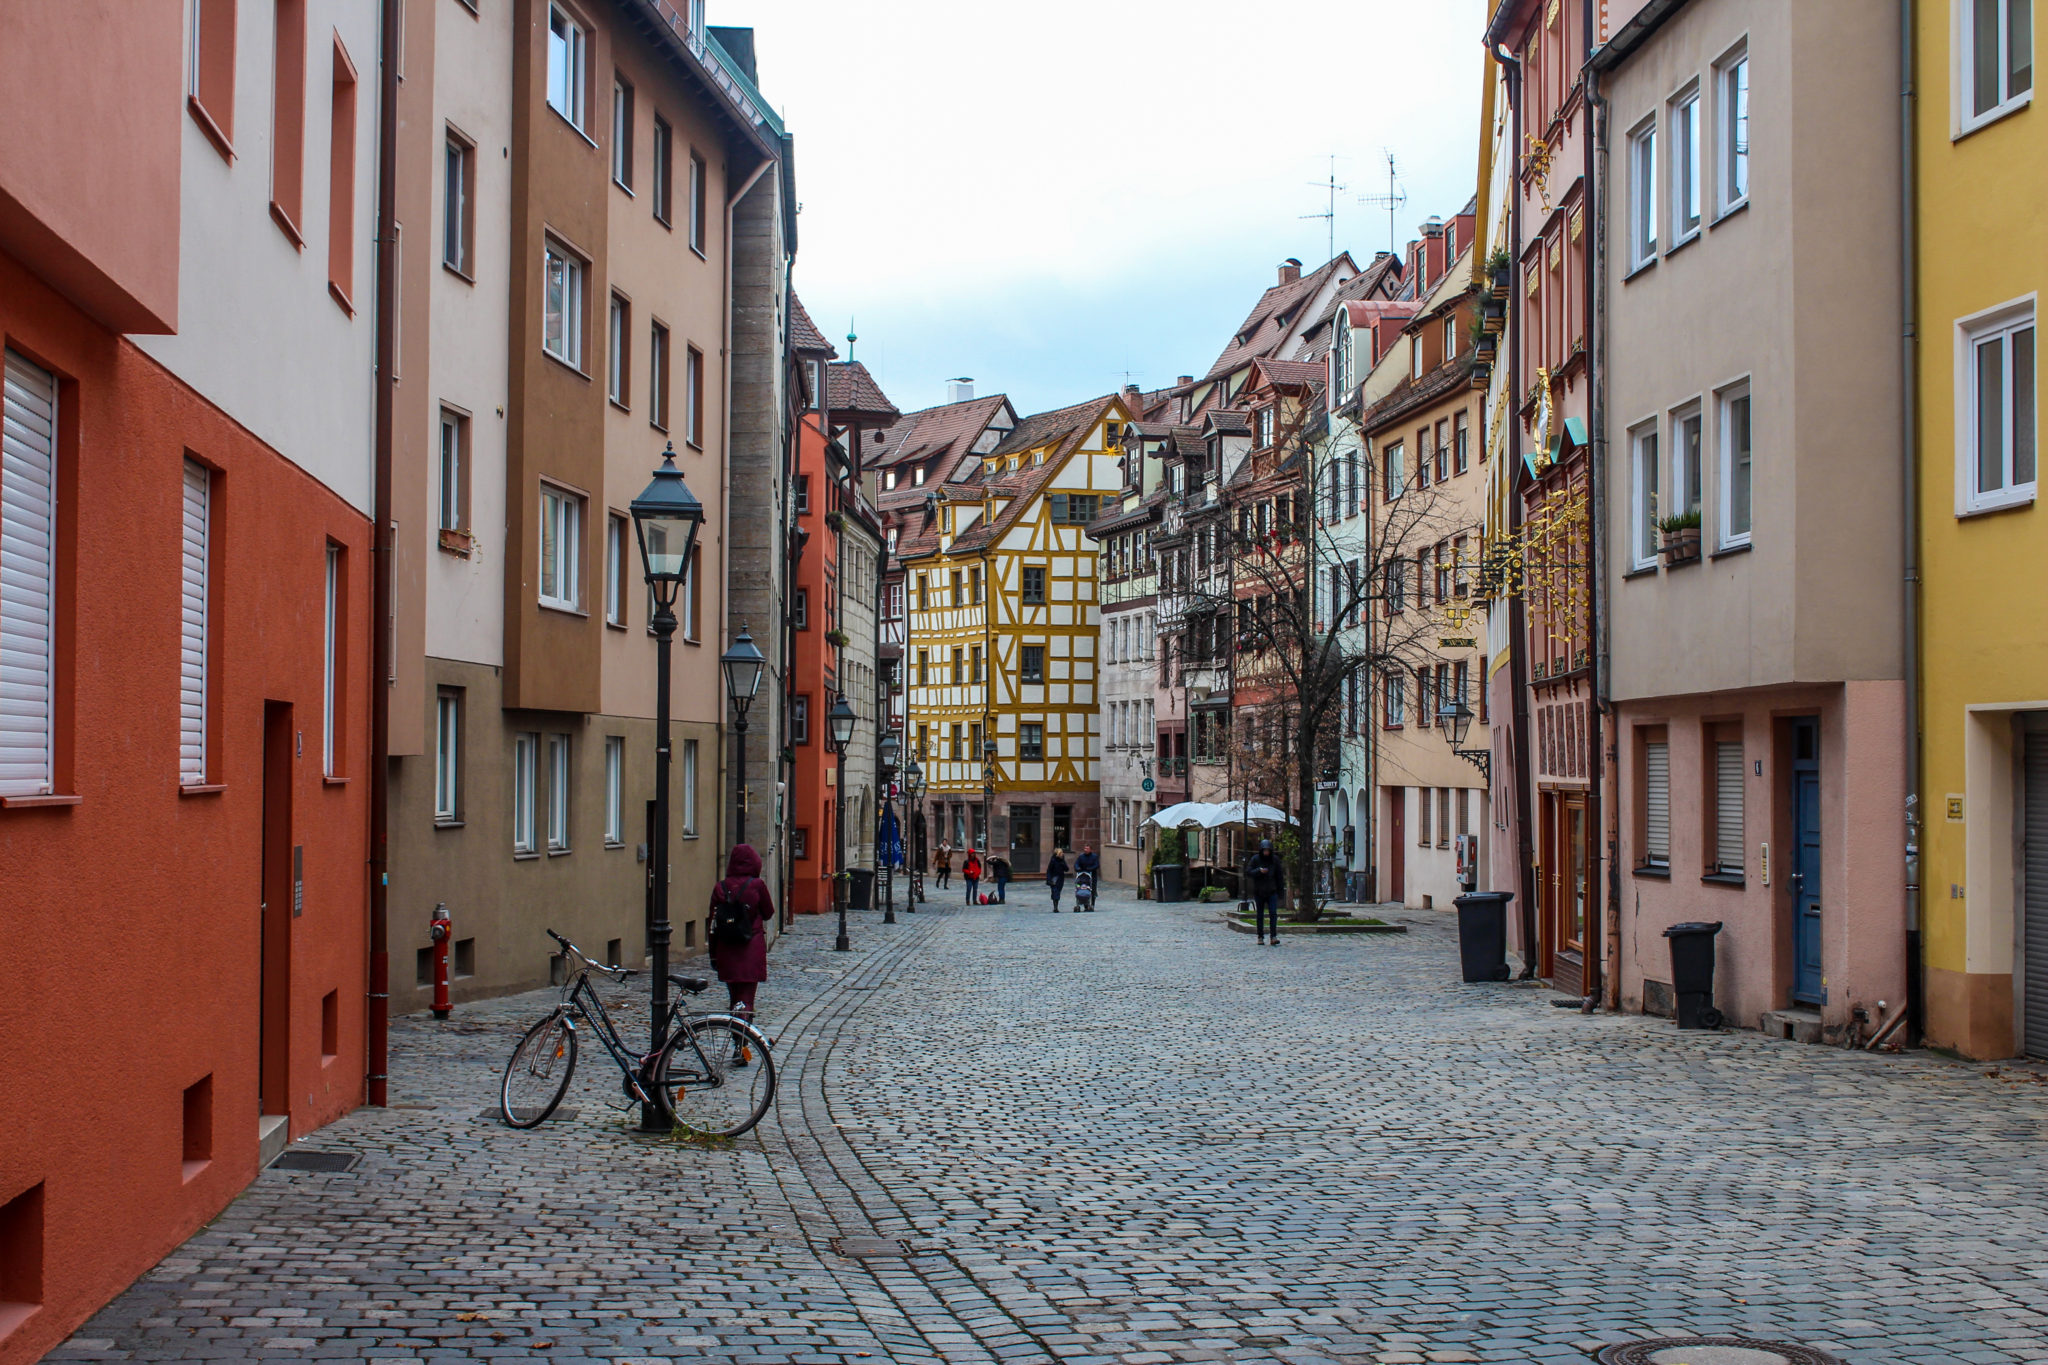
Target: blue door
pixel 1807 985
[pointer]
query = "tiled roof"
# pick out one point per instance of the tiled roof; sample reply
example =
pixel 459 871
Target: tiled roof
pixel 854 390
pixel 948 432
pixel 1412 394
pixel 1276 317
pixel 1291 371
pixel 1375 281
pixel 803 333
pixel 1062 429
pixel 1229 421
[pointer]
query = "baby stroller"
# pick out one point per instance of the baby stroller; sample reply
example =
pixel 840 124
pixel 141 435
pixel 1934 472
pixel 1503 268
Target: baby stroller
pixel 1084 892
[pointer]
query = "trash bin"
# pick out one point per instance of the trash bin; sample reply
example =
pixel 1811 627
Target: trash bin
pixel 1483 934
pixel 1692 973
pixel 1166 883
pixel 863 890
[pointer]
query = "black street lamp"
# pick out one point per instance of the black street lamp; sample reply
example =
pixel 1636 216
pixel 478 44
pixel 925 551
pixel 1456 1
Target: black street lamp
pixel 1455 718
pixel 887 749
pixel 988 795
pixel 913 792
pixel 666 519
pixel 743 666
pixel 840 721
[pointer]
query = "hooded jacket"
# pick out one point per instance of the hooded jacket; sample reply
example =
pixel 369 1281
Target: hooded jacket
pixel 745 961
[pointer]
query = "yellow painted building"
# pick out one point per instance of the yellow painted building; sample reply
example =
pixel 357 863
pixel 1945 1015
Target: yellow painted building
pixel 1000 650
pixel 1982 218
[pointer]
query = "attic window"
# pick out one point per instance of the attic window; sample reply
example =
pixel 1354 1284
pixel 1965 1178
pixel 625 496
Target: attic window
pixel 889 479
pixel 917 477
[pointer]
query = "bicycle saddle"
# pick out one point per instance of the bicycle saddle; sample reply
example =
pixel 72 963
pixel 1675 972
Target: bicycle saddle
pixel 691 985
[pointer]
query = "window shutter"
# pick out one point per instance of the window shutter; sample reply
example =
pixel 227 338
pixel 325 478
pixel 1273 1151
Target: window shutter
pixel 28 524
pixel 1657 803
pixel 192 633
pixel 1728 807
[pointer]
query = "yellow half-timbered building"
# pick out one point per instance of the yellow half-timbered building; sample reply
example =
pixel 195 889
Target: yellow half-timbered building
pixel 1001 642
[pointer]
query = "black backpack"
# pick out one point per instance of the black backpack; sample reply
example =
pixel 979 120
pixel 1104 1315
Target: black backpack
pixel 732 919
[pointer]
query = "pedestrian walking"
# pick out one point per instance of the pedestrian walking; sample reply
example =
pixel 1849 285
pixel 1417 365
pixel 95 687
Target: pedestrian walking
pixel 942 866
pixel 1265 881
pixel 970 872
pixel 741 909
pixel 1090 867
pixel 1056 878
pixel 999 868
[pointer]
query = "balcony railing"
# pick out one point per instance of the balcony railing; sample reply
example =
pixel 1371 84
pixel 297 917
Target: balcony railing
pixel 725 73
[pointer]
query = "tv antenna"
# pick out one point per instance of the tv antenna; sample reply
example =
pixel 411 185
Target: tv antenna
pixel 1329 215
pixel 1391 201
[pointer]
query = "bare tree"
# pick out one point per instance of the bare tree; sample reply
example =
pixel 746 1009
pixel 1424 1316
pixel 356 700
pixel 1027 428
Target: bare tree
pixel 1316 625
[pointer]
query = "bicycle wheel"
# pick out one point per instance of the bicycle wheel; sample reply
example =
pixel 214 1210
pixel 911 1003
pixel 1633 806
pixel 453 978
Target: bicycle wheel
pixel 538 1075
pixel 701 1082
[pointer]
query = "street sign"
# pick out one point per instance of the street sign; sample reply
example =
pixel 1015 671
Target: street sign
pixel 1146 785
pixel 1456 642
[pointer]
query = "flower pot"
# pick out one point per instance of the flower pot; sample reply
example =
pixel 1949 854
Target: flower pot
pixel 1681 546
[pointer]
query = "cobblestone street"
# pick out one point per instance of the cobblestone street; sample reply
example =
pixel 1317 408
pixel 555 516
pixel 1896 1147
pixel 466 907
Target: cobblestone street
pixel 1134 1136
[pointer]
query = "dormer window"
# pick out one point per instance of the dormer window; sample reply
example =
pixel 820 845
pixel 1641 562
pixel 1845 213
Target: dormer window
pixel 1415 347
pixel 1112 432
pixel 917 477
pixel 889 479
pixel 1450 338
pixel 1262 427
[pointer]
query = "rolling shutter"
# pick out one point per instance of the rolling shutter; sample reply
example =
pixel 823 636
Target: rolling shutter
pixel 1728 806
pixel 28 525
pixel 2035 933
pixel 192 629
pixel 1657 803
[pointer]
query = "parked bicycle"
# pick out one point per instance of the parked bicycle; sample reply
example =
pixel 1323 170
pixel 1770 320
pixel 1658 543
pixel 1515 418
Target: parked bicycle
pixel 715 1076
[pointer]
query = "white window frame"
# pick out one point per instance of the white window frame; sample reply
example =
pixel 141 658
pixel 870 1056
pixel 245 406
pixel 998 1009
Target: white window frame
pixel 194 600
pixel 458 162
pixel 1731 129
pixel 614 790
pixel 448 473
pixel 614 569
pixel 2003 321
pixel 525 776
pixel 332 688
pixel 447 757
pixel 1656 767
pixel 1962 76
pixel 698 174
pixel 28 578
pixel 1646 449
pixel 1688 176
pixel 561 516
pixel 622 134
pixel 559 779
pixel 689 789
pixel 1396 479
pixel 566 342
pixel 1676 454
pixel 1725 400
pixel 568 75
pixel 1643 188
pixel 619 327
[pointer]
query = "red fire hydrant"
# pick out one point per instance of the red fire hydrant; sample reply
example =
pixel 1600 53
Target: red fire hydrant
pixel 442 931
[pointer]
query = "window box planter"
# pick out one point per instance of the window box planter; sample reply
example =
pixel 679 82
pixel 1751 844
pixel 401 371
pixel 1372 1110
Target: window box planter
pixel 1680 545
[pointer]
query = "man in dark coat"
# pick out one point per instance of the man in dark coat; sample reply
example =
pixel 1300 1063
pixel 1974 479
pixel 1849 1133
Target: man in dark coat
pixel 744 966
pixel 1090 866
pixel 1056 878
pixel 1265 881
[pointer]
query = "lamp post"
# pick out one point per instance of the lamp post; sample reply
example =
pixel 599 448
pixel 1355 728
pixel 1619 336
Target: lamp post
pixel 988 794
pixel 913 791
pixel 743 666
pixel 887 749
pixel 666 519
pixel 840 720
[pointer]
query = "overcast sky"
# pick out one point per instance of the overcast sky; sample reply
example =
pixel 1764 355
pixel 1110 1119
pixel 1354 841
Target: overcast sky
pixel 1049 196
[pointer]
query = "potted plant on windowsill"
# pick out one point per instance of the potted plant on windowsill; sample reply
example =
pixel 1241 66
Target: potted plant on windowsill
pixel 1679 537
pixel 1500 268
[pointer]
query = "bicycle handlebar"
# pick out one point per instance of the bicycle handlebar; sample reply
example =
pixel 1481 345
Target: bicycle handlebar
pixel 617 973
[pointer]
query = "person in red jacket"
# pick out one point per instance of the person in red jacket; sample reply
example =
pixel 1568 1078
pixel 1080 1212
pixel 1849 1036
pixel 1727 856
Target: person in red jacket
pixel 970 873
pixel 743 965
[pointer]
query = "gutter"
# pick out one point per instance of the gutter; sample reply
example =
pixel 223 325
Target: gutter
pixel 1604 796
pixel 378 1054
pixel 1909 478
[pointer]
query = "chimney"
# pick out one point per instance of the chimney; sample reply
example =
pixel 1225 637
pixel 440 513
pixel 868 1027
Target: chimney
pixel 1183 381
pixel 1290 270
pixel 959 390
pixel 1131 390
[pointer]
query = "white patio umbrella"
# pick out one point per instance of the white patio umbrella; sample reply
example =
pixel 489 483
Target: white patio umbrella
pixel 1244 813
pixel 1182 813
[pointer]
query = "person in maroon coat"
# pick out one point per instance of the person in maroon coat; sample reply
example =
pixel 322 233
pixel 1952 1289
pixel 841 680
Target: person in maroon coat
pixel 744 966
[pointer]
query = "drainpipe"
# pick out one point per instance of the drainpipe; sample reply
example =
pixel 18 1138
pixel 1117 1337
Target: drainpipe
pixel 1604 812
pixel 377 1061
pixel 1518 615
pixel 1909 365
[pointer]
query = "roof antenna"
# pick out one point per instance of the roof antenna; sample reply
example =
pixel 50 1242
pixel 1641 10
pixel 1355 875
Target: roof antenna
pixel 1329 215
pixel 1391 201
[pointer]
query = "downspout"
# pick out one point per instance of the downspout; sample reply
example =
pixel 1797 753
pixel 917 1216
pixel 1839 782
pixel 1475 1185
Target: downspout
pixel 377 1061
pixel 725 500
pixel 1518 623
pixel 1909 364
pixel 1601 815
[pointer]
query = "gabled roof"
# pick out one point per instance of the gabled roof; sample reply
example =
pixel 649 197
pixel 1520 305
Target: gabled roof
pixel 1277 316
pixel 1411 395
pixel 948 432
pixel 804 335
pixel 1283 374
pixel 1228 421
pixel 1062 429
pixel 1379 280
pixel 854 392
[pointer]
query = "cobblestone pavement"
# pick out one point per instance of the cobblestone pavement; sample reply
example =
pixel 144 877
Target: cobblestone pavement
pixel 1134 1136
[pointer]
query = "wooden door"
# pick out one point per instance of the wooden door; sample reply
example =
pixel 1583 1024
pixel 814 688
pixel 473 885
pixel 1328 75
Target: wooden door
pixel 1566 889
pixel 1397 844
pixel 281 889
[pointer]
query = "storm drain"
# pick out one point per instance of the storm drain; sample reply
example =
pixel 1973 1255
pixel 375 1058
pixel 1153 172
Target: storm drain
pixel 1713 1351
pixel 332 1162
pixel 868 1247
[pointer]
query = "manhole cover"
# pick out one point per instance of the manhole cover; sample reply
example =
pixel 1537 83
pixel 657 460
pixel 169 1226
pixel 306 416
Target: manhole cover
pixel 1713 1351
pixel 867 1246
pixel 315 1161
